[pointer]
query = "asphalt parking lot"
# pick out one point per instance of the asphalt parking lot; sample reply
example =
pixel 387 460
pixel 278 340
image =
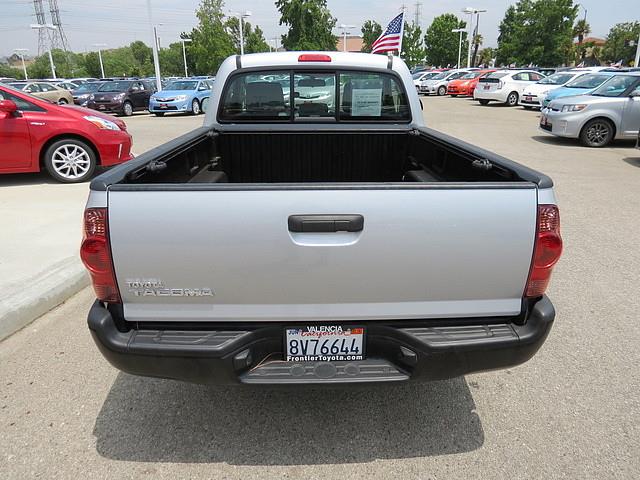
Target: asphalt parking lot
pixel 573 411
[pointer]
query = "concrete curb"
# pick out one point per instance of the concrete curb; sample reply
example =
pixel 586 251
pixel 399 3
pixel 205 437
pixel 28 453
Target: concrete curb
pixel 38 295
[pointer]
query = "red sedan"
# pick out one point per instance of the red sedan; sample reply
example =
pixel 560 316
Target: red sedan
pixel 68 141
pixel 465 85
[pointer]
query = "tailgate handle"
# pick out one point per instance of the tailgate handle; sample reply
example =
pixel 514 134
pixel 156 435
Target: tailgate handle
pixel 326 223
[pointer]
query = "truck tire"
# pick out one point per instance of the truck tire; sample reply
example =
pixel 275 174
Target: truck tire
pixel 597 133
pixel 69 160
pixel 512 99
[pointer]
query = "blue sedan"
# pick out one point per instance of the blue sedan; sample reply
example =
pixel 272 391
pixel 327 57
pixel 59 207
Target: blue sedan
pixel 582 85
pixel 187 95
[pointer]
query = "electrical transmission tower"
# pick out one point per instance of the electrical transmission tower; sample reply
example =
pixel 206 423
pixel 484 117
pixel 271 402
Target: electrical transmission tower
pixel 43 32
pixel 418 13
pixel 58 37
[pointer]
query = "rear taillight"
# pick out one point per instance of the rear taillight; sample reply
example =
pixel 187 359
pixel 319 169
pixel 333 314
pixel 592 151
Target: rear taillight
pixel 547 250
pixel 95 253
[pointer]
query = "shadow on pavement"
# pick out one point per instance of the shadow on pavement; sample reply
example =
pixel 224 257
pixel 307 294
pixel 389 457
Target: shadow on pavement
pixel 633 161
pixel 149 420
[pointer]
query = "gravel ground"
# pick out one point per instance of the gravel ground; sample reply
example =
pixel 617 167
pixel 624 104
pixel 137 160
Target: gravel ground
pixel 573 411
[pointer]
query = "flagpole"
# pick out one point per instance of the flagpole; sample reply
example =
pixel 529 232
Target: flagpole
pixel 401 35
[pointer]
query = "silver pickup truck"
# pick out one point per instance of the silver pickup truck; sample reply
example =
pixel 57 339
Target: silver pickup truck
pixel 315 231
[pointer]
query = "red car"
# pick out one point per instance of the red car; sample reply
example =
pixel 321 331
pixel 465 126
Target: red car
pixel 465 85
pixel 68 141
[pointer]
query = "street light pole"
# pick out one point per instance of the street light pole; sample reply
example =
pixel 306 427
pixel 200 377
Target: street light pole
pixel 460 31
pixel 154 44
pixel 39 26
pixel 471 11
pixel 184 54
pixel 21 52
pixel 345 31
pixel 99 45
pixel 241 17
pixel 637 59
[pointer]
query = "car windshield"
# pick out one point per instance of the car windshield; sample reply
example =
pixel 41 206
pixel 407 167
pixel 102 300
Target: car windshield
pixel 557 79
pixel 18 86
pixel 440 76
pixel 471 75
pixel 592 80
pixel 115 87
pixel 616 86
pixel 182 85
pixel 417 75
pixel 88 87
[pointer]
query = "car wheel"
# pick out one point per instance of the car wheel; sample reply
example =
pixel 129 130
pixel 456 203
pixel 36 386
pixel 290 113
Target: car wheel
pixel 484 102
pixel 597 133
pixel 70 160
pixel 442 91
pixel 453 96
pixel 205 105
pixel 159 114
pixel 512 99
pixel 127 109
pixel 62 101
pixel 527 107
pixel 195 107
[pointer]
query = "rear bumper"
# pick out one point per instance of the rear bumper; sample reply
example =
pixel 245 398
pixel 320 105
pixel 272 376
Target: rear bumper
pixel 400 350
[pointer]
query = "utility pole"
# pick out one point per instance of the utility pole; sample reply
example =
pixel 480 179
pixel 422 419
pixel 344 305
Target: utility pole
pixel 637 59
pixel 460 31
pixel 418 14
pixel 47 26
pixel 154 44
pixel 184 54
pixel 99 45
pixel 345 32
pixel 21 52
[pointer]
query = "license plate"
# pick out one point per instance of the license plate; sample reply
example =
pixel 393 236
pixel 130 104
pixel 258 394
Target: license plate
pixel 487 87
pixel 324 343
pixel 162 105
pixel 527 98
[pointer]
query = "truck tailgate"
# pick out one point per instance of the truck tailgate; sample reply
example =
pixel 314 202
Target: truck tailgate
pixel 229 255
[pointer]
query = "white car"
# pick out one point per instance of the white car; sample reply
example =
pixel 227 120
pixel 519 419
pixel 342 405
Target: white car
pixel 505 86
pixel 437 85
pixel 533 95
pixel 419 77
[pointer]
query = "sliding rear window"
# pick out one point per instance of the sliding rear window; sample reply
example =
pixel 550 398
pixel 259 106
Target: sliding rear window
pixel 308 97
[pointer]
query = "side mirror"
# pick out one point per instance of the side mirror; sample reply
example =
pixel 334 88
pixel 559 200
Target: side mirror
pixel 9 107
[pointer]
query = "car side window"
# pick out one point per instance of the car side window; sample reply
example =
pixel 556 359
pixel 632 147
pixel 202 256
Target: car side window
pixel 535 77
pixel 45 87
pixel 23 105
pixel 521 76
pixel 32 88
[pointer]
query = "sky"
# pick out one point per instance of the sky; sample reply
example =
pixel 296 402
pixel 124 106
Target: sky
pixel 119 22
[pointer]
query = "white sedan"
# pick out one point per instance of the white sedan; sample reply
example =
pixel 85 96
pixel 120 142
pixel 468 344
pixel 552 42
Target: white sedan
pixel 533 95
pixel 505 86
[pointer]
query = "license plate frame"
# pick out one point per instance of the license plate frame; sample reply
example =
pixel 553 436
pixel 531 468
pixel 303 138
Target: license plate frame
pixel 333 343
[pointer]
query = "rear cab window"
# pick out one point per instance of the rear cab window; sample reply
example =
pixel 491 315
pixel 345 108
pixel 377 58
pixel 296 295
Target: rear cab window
pixel 293 96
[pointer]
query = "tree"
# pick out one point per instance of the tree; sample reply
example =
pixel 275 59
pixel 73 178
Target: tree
pixel 477 41
pixel 371 31
pixel 171 60
pixel 486 57
pixel 11 72
pixel 440 43
pixel 67 64
pixel 210 41
pixel 310 25
pixel 581 29
pixel 254 41
pixel 538 32
pixel 412 49
pixel 618 46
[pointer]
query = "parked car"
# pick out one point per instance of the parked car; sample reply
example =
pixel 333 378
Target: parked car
pixel 533 94
pixel 266 248
pixel 68 141
pixel 437 85
pixel 67 85
pixel 465 85
pixel 122 97
pixel 504 86
pixel 80 81
pixel 421 76
pixel 610 112
pixel 582 85
pixel 8 79
pixel 44 90
pixel 184 95
pixel 83 92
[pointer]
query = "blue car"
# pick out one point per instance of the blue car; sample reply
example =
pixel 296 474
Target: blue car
pixel 582 85
pixel 186 95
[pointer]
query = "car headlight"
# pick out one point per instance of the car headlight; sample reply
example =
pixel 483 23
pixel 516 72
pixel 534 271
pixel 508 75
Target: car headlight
pixel 102 123
pixel 84 96
pixel 91 97
pixel 119 96
pixel 573 108
pixel 180 98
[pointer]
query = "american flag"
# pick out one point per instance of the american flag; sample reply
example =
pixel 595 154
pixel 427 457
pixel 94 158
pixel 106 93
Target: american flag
pixel 391 38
